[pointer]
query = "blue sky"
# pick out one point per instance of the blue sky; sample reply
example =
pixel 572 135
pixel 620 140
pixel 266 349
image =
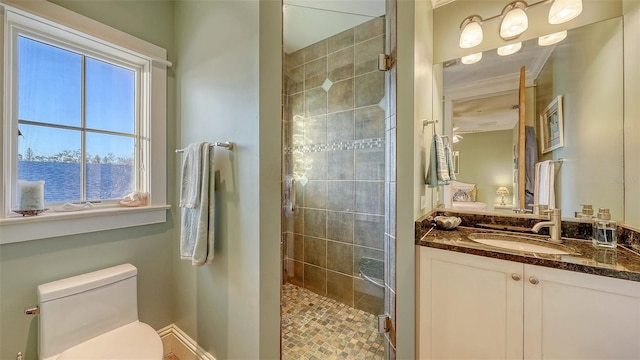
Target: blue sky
pixel 50 90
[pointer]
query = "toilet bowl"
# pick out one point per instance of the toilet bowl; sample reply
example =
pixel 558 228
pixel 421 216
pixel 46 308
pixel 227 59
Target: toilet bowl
pixel 95 316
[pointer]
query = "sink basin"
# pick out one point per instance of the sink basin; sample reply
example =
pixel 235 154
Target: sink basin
pixel 520 243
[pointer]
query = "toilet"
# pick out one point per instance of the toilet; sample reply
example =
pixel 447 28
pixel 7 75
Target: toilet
pixel 95 316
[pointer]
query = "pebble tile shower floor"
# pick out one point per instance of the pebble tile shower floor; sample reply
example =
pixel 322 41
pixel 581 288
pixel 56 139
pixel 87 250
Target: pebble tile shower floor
pixel 315 327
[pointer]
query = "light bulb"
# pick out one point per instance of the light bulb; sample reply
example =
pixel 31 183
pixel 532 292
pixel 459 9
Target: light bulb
pixel 514 23
pixel 471 59
pixel 564 10
pixel 471 35
pixel 552 38
pixel 509 49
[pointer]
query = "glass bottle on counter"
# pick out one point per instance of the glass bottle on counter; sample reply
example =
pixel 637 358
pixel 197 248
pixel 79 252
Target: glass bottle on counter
pixel 604 229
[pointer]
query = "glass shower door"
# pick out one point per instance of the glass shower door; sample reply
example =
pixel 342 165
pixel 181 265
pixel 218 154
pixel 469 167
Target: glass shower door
pixel 333 188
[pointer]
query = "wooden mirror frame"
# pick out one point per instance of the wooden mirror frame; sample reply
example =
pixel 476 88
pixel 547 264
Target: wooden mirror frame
pixel 521 140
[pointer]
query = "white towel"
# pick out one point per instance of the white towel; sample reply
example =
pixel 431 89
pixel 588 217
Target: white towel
pixel 544 190
pixel 449 154
pixel 191 178
pixel 438 170
pixel 441 162
pixel 197 204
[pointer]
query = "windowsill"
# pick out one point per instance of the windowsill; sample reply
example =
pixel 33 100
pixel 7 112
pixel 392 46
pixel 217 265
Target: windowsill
pixel 17 228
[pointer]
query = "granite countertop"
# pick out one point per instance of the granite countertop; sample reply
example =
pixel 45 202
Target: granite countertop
pixel 620 262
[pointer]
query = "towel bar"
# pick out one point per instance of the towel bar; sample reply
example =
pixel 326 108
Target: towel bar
pixel 227 144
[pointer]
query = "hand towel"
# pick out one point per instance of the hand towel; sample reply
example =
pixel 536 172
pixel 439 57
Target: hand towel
pixel 449 154
pixel 438 172
pixel 544 192
pixel 431 178
pixel 197 205
pixel 536 184
pixel 441 161
pixel 190 182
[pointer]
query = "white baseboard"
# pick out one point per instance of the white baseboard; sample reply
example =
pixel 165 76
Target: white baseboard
pixel 176 341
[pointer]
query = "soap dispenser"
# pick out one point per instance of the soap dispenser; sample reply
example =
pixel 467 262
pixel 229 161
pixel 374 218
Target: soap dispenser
pixel 604 229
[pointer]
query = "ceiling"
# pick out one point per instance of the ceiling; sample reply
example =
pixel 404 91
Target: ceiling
pixel 309 21
pixel 498 112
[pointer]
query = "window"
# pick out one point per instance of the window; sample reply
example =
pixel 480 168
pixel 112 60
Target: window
pixel 84 109
pixel 78 123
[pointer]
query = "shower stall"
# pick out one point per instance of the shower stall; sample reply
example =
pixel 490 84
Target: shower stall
pixel 335 183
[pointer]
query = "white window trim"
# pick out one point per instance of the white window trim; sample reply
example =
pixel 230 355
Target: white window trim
pixel 13 227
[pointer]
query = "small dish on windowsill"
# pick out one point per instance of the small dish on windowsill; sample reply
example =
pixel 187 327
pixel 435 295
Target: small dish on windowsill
pixel 135 199
pixel 32 212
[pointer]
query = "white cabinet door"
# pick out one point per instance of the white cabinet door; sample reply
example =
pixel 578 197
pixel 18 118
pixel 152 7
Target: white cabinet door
pixel 470 307
pixel 570 315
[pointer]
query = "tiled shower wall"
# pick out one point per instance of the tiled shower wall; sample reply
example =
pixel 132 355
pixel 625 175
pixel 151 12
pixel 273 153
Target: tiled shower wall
pixel 334 142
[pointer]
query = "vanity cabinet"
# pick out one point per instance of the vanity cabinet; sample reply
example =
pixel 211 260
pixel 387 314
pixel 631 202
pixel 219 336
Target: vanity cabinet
pixel 470 306
pixel 571 315
pixel 473 307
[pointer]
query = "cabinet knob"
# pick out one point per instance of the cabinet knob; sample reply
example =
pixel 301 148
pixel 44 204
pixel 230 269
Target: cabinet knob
pixel 534 280
pixel 515 277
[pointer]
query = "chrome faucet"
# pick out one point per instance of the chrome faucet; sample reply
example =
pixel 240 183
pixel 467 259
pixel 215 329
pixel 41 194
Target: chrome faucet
pixel 554 224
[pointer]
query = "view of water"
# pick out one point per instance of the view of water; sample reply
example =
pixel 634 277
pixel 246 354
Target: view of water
pixel 62 180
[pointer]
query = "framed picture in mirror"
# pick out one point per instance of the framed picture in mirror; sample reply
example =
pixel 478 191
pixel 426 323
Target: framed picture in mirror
pixel 551 126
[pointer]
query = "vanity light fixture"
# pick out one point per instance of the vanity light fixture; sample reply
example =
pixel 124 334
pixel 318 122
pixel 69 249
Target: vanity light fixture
pixel 471 59
pixel 551 39
pixel 509 49
pixel 514 20
pixel 471 32
pixel 564 10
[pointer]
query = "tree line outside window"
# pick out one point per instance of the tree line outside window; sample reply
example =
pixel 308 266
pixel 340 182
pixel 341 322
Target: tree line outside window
pixel 75 156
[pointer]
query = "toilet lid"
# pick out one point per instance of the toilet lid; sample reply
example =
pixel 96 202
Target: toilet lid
pixel 132 341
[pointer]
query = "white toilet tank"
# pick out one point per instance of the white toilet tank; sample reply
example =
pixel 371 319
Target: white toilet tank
pixel 83 307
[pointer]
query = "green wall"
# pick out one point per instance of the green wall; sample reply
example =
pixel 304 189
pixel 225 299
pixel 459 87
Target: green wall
pixel 224 85
pixel 23 266
pixel 228 71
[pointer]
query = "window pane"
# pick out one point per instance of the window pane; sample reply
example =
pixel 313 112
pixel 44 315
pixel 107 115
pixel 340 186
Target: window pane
pixel 49 83
pixel 110 166
pixel 110 95
pixel 52 155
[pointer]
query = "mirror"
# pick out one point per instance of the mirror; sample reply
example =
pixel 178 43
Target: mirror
pixel 480 110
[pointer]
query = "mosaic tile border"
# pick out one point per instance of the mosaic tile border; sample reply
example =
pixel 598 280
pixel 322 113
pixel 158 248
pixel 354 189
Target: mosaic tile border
pixel 344 145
